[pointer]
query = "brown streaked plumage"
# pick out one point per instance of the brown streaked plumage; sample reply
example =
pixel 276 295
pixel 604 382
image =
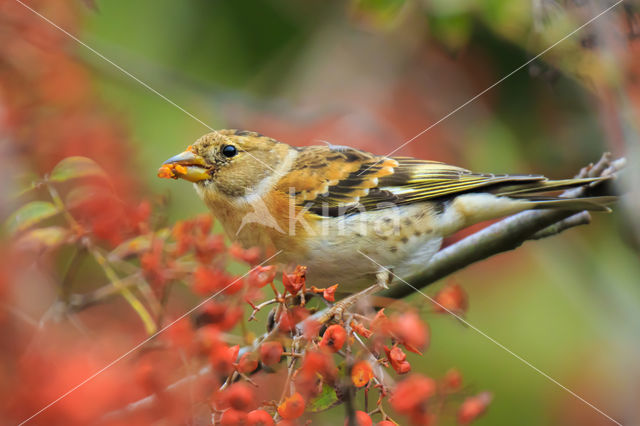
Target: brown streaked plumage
pixel 320 205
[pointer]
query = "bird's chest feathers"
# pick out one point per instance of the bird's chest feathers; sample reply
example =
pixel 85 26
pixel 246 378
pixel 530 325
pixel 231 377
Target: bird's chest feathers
pixel 267 220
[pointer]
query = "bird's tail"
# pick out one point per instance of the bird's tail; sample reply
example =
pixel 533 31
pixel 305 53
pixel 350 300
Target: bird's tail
pixel 531 191
pixel 587 203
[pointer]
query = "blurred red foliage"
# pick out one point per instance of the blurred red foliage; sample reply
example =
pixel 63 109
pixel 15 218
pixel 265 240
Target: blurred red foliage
pixel 412 395
pixel 451 299
pixel 473 407
pixel 51 111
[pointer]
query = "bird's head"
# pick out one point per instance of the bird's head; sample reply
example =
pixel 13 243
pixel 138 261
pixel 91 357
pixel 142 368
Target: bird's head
pixel 227 162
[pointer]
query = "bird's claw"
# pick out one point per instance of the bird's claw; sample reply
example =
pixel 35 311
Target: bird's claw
pixel 383 278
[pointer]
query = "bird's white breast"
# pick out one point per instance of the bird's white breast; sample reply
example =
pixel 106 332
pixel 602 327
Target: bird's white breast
pixel 401 239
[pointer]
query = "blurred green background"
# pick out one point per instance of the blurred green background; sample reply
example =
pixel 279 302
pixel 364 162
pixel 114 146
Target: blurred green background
pixel 373 74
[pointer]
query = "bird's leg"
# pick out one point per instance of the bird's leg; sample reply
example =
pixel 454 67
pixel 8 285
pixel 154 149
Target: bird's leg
pixel 384 276
pixel 383 279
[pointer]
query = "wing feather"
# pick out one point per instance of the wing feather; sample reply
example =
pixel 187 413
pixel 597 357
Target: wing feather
pixel 330 181
pixel 325 175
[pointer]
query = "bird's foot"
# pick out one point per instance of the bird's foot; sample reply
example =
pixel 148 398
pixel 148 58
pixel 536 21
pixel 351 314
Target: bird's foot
pixel 383 278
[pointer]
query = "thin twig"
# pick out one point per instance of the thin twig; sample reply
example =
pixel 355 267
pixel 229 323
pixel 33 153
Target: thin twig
pixel 582 218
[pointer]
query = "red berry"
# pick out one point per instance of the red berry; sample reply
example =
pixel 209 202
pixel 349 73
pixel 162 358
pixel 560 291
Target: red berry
pixel 259 418
pixel 248 363
pixel 271 352
pixel 239 396
pixel 361 373
pixel 334 338
pixel 292 407
pixel 233 417
pixel 362 419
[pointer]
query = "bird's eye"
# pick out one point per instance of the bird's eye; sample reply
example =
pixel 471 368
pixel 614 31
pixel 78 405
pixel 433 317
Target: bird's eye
pixel 229 150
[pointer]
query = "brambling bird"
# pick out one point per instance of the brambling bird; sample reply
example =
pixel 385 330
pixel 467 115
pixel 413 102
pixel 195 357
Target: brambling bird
pixel 323 205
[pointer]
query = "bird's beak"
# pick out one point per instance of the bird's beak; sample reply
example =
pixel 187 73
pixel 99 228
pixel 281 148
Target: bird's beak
pixel 186 165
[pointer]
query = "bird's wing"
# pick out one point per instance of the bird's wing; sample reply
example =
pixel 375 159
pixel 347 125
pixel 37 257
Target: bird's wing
pixel 420 180
pixel 331 182
pixel 335 176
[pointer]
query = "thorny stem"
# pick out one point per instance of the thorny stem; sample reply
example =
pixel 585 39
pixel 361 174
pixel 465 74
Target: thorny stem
pixel 286 388
pixel 276 292
pixel 287 383
pixel 366 400
pixel 246 336
pixel 351 391
pixel 229 380
pixel 248 379
pixel 257 308
pixel 380 410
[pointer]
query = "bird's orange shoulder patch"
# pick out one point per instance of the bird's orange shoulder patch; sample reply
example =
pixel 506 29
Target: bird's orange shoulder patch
pixel 320 169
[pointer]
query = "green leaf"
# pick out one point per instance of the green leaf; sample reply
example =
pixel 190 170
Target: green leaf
pixel 76 167
pixel 136 245
pixel 83 193
pixel 327 399
pixel 41 238
pixel 30 214
pixel 381 6
pixel 453 30
pixel 380 13
pixel 26 181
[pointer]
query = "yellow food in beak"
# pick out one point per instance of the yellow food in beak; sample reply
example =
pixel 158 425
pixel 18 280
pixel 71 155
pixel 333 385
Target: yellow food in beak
pixel 187 166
